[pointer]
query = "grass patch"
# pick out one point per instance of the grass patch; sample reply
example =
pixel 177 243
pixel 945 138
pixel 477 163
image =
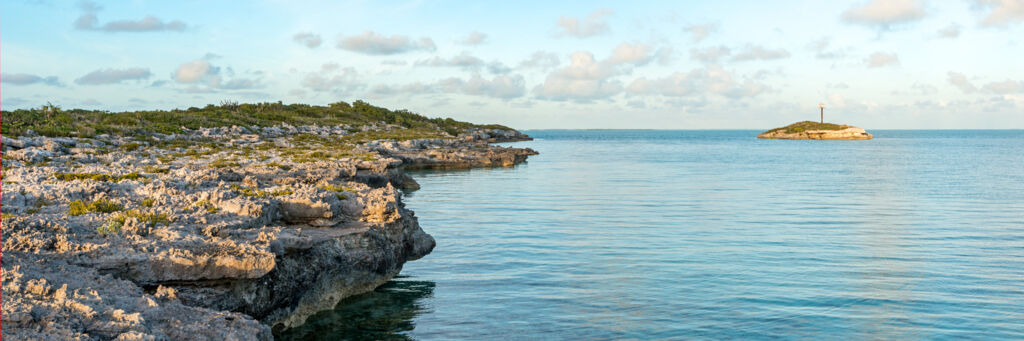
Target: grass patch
pixel 96 176
pixel 800 127
pixel 222 163
pixel 148 202
pixel 116 222
pixel 157 170
pixel 280 166
pixel 77 207
pixel 335 188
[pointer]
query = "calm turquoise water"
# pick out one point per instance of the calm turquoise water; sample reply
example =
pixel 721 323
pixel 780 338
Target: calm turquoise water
pixel 715 235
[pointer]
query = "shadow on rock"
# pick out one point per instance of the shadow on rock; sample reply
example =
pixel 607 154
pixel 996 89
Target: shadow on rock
pixel 383 314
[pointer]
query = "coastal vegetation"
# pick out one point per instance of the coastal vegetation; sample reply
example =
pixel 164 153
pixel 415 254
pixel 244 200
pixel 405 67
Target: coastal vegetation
pixel 77 207
pixel 803 126
pixel 51 120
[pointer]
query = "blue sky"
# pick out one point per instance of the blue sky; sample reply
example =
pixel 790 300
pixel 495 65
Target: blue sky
pixel 533 64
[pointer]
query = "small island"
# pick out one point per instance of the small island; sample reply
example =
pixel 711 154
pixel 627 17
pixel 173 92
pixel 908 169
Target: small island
pixel 809 130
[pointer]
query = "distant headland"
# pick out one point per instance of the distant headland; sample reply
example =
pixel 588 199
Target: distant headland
pixel 809 130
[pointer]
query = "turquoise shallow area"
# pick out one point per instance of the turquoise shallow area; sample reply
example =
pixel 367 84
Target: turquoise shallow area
pixel 714 235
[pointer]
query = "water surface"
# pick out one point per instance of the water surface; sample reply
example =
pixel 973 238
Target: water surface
pixel 714 235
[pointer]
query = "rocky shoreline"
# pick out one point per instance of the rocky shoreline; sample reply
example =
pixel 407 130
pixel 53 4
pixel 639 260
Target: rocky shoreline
pixel 225 233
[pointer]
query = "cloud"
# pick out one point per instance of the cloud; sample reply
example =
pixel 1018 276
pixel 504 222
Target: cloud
pixel 206 78
pixel 713 79
pixel 89 21
pixel 541 60
pixel 373 43
pixel 883 13
pixel 924 89
pixel 347 81
pixel 700 32
pixel 710 54
pixel 583 80
pixel 638 54
pixel 463 60
pixel 308 39
pixel 474 38
pixel 194 71
pixel 755 52
pixel 502 87
pixel 951 31
pixel 960 81
pixel 881 59
pixel 1005 87
pixel 113 76
pixel 1001 12
pixel 28 79
pixel 821 46
pixel 594 24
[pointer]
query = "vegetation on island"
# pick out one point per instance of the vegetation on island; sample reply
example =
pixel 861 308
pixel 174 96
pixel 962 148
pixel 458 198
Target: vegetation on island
pixel 51 120
pixel 800 127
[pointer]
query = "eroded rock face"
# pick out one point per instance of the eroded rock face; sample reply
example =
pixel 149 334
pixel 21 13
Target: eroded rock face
pixel 851 133
pixel 222 239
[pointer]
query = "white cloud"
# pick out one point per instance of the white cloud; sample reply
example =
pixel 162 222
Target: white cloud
pixel 89 21
pixel 463 60
pixel 308 39
pixel 1005 87
pixel 884 13
pixel 112 76
pixel 502 87
pixel 821 48
pixel 1002 12
pixel 710 55
pixel 638 54
pixel 474 38
pixel 541 60
pixel 328 81
pixel 960 81
pixel 28 79
pixel 713 79
pixel 373 43
pixel 206 78
pixel 882 59
pixel 760 53
pixel 583 80
pixel 700 32
pixel 194 71
pixel 951 31
pixel 594 24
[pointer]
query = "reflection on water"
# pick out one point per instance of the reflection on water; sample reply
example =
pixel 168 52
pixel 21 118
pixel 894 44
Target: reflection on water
pixel 379 315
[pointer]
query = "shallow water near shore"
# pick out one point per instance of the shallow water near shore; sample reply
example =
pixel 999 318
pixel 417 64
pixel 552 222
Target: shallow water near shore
pixel 714 235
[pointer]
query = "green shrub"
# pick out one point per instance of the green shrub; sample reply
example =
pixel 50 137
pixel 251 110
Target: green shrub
pixel 77 207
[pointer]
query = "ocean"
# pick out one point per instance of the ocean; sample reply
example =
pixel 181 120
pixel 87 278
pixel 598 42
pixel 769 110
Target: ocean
pixel 654 234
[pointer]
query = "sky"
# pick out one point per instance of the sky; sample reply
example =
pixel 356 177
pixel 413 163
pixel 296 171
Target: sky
pixel 881 64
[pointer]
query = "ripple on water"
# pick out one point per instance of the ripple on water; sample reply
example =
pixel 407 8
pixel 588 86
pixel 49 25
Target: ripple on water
pixel 715 235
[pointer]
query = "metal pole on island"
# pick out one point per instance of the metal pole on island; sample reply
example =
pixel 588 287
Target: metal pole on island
pixel 822 107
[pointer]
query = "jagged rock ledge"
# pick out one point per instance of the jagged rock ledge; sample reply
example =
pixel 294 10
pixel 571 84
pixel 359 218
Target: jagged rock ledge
pixel 217 233
pixel 808 130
